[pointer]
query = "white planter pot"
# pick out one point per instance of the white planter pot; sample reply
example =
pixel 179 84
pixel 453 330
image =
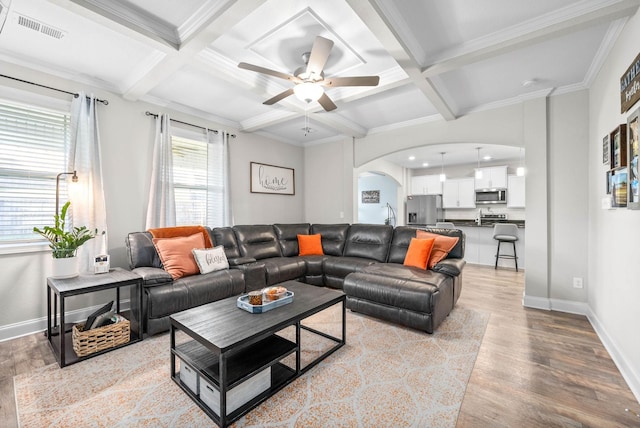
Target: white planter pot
pixel 65 268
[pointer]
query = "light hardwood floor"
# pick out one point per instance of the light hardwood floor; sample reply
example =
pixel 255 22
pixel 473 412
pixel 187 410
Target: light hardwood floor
pixel 535 368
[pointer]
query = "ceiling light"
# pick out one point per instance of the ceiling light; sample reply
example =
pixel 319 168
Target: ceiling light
pixel 425 164
pixel 412 158
pixel 478 170
pixel 529 83
pixel 442 176
pixel 487 157
pixel 308 91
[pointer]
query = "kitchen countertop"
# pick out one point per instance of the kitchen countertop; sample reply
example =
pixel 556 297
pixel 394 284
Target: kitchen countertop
pixel 485 223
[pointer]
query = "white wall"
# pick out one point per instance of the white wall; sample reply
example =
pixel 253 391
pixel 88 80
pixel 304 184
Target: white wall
pixel 127 147
pixel 614 235
pixel 330 184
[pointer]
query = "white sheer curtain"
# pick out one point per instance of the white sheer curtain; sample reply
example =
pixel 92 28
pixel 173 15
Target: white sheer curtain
pixel 219 185
pixel 87 195
pixel 161 211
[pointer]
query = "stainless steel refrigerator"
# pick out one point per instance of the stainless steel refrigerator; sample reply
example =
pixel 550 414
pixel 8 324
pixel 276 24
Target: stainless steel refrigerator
pixel 424 209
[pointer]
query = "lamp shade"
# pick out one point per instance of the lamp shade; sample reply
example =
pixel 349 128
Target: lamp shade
pixel 308 92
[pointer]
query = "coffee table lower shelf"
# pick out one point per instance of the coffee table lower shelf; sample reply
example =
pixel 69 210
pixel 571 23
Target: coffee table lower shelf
pixel 249 363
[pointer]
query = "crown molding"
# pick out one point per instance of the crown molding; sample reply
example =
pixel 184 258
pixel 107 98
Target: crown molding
pixel 190 111
pixel 614 30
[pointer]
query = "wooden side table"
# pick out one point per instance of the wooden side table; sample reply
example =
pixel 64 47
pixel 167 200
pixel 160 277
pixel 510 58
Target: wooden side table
pixel 61 344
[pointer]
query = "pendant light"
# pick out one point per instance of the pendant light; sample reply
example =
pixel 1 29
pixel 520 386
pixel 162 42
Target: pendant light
pixel 520 169
pixel 442 176
pixel 478 170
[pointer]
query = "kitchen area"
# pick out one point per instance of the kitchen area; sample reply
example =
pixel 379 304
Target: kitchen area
pixel 474 200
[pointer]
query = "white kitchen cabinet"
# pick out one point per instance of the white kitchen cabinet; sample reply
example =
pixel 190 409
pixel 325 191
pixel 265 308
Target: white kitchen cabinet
pixel 458 193
pixel 426 185
pixel 494 177
pixel 515 192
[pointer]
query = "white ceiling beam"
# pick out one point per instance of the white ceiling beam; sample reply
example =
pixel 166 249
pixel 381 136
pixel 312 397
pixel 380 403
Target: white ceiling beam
pixel 571 19
pixel 99 15
pixel 231 14
pixel 380 26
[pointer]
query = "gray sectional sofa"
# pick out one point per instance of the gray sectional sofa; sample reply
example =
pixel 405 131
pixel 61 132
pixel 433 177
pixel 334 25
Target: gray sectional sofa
pixel 364 260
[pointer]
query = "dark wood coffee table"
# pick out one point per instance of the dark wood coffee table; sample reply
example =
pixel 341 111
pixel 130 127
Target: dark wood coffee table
pixel 229 347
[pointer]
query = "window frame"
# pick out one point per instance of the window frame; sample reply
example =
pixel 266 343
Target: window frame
pixel 31 100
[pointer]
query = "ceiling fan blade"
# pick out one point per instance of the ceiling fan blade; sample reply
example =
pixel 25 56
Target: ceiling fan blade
pixel 319 55
pixel 280 96
pixel 268 71
pixel 326 103
pixel 334 82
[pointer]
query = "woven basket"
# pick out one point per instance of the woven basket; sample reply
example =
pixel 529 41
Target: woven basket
pixel 99 339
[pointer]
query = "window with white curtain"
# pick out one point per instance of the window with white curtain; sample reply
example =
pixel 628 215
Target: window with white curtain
pixel 197 180
pixel 32 150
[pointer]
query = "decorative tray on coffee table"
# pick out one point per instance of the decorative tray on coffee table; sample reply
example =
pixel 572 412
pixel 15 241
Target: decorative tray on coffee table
pixel 243 303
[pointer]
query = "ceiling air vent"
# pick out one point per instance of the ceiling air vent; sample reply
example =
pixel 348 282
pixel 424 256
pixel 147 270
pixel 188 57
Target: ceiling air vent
pixel 40 27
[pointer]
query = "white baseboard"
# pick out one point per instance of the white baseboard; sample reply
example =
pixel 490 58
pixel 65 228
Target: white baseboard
pixel 626 368
pixel 11 331
pixel 536 302
pixel 568 306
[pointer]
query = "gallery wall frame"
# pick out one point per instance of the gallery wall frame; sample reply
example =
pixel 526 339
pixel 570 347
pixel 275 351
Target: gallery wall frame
pixel 633 192
pixel 272 179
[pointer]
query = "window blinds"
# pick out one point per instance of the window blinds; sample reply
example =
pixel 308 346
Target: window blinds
pixel 32 148
pixel 198 182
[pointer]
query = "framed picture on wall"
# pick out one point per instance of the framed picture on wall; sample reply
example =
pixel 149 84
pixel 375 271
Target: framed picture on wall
pixel 633 193
pixel 272 179
pixel 605 151
pixel 370 196
pixel 618 143
pixel 619 188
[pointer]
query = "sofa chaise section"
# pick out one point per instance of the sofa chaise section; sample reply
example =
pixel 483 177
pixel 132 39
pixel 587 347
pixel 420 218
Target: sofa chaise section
pixel 410 296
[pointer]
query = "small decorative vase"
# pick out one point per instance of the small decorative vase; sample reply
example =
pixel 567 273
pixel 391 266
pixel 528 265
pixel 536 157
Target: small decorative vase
pixel 66 267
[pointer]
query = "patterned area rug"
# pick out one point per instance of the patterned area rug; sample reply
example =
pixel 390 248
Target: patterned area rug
pixel 386 375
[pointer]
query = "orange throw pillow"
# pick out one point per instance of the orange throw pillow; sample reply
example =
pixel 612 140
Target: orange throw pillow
pixel 310 245
pixel 176 231
pixel 441 247
pixel 175 253
pixel 418 252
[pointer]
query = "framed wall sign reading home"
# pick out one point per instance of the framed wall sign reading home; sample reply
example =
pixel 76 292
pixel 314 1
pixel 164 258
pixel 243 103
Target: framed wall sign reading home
pixel 272 179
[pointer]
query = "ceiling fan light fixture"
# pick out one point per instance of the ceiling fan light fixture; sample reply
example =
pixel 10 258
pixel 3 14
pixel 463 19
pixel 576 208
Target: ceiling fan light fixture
pixel 308 91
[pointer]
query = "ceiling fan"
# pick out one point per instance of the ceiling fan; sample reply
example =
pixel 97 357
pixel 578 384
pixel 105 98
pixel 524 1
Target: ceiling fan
pixel 309 80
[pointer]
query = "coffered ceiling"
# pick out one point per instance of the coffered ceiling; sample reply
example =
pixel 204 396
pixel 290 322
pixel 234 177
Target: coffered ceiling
pixel 437 60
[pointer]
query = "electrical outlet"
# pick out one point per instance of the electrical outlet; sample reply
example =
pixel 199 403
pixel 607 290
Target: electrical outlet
pixel 341 214
pixel 577 282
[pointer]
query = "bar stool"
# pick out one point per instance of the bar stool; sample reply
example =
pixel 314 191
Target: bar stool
pixel 506 232
pixel 445 225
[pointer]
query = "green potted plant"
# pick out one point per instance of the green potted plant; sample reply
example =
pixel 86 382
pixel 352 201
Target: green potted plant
pixel 65 243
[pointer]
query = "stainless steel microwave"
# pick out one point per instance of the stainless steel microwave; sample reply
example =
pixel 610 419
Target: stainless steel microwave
pixel 491 196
